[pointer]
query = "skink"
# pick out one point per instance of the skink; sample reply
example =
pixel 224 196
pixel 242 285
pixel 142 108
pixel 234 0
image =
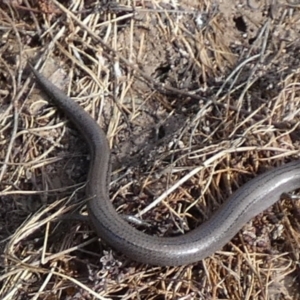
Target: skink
pixel 248 201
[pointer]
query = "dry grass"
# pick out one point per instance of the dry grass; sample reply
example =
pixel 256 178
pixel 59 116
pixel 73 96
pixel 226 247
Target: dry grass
pixel 189 119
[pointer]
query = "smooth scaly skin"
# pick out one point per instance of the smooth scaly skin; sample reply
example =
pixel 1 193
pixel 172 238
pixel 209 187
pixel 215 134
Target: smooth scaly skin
pixel 248 201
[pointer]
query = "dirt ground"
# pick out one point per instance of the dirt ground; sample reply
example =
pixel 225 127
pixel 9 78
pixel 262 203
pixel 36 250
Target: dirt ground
pixel 205 91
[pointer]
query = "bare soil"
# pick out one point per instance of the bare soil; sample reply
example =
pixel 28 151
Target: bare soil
pixel 176 85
